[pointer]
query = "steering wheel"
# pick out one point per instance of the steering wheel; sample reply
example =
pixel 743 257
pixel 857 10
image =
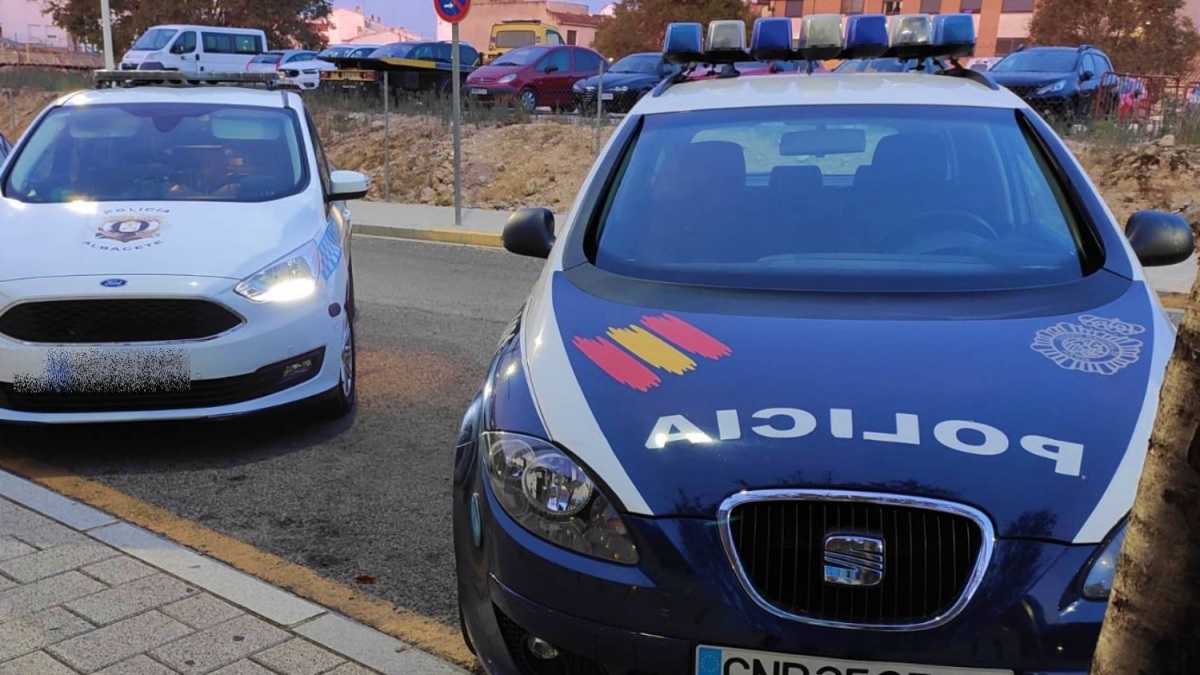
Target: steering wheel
pixel 919 234
pixel 231 179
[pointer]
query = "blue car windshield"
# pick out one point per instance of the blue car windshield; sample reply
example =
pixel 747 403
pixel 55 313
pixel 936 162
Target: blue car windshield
pixel 160 152
pixel 647 64
pixel 1038 61
pixel 824 197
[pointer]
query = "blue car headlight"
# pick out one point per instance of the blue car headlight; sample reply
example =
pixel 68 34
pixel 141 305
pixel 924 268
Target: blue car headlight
pixel 294 277
pixel 1102 569
pixel 1053 88
pixel 551 495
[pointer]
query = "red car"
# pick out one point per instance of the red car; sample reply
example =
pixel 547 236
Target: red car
pixel 535 76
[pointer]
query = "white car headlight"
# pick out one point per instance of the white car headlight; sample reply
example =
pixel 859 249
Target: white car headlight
pixel 1051 88
pixel 550 495
pixel 507 78
pixel 1102 570
pixel 292 278
pixel 620 90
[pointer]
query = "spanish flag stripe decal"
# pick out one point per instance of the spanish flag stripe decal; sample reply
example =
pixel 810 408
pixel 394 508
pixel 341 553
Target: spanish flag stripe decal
pixel 620 366
pixel 652 349
pixel 687 337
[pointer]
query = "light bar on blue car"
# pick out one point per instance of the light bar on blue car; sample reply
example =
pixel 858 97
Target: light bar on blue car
pixel 821 37
pixel 954 35
pixel 866 36
pixel 684 43
pixel 911 36
pixel 772 40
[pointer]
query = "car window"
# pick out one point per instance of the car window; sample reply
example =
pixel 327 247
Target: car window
pixel 553 38
pixel 510 39
pixel 267 57
pixel 559 61
pixel 880 198
pixel 421 53
pixel 647 64
pixel 323 166
pixel 154 39
pixel 521 57
pixel 587 62
pixel 186 44
pixel 160 152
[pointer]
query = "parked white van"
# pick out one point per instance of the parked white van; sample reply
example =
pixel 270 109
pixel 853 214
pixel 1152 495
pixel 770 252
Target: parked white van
pixel 195 49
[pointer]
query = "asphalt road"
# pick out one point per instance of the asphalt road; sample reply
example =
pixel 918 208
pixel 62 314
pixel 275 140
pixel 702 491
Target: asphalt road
pixel 364 497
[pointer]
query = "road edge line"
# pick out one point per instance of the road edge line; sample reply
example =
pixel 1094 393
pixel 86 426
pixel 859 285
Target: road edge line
pixel 440 235
pixel 427 634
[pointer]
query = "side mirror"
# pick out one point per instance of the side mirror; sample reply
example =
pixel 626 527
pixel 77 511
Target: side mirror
pixel 550 69
pixel 177 48
pixel 1087 76
pixel 347 185
pixel 1159 238
pixel 530 232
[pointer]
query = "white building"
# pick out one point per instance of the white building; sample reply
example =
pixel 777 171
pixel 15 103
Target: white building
pixel 28 22
pixel 352 26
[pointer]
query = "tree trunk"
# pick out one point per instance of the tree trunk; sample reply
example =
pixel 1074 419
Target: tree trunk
pixel 1152 625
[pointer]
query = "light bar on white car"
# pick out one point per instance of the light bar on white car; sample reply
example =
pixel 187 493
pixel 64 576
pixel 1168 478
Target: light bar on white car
pixel 130 78
pixel 823 36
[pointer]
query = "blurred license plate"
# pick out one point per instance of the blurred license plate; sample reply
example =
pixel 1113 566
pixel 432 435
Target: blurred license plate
pixel 105 370
pixel 479 92
pixel 719 661
pixel 606 97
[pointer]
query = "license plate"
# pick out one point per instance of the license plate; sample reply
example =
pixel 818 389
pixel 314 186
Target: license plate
pixel 105 370
pixel 606 97
pixel 479 92
pixel 720 661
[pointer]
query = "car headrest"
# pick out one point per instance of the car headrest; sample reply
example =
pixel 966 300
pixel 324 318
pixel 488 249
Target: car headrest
pixel 913 155
pixel 803 179
pixel 713 164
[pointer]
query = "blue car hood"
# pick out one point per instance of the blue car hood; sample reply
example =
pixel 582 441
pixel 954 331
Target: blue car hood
pixel 1028 419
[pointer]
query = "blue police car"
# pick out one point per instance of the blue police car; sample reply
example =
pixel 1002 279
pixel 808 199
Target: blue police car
pixel 823 375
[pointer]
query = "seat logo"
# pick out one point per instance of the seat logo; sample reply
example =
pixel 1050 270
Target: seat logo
pixel 853 560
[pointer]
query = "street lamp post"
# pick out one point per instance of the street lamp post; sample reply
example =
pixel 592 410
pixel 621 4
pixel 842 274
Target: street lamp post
pixel 106 27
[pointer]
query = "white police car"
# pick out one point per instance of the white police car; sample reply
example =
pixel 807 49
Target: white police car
pixel 829 375
pixel 174 251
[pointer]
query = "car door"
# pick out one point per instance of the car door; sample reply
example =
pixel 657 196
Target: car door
pixel 183 52
pixel 587 64
pixel 555 77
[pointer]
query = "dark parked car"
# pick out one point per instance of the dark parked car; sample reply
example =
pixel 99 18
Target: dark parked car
pixel 626 82
pixel 1059 82
pixel 5 147
pixel 534 76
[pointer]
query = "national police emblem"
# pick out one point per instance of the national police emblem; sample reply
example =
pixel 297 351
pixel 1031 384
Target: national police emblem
pixel 130 227
pixel 1094 345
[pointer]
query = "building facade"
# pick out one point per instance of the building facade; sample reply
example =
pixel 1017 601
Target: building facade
pixel 28 22
pixel 352 26
pixel 577 23
pixel 1001 25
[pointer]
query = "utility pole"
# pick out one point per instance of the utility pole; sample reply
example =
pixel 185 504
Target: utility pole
pixel 106 27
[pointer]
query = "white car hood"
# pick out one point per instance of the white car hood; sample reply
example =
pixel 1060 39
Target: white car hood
pixel 163 238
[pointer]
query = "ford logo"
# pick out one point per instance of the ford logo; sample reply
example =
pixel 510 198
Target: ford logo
pixel 113 283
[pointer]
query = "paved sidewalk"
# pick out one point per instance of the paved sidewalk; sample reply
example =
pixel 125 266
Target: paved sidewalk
pixel 482 227
pixel 81 593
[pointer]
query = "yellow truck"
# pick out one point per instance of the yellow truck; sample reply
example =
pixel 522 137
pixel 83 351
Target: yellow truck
pixel 508 35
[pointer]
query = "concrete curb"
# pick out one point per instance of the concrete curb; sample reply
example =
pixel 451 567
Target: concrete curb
pixel 442 235
pixel 354 641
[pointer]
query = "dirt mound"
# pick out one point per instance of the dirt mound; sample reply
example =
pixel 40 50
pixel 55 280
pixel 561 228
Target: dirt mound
pixel 1158 175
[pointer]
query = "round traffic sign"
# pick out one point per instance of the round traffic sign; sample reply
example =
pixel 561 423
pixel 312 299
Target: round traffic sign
pixel 452 11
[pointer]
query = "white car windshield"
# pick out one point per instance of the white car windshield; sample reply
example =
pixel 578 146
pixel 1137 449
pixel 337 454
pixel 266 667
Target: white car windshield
pixel 868 198
pixel 154 39
pixel 160 152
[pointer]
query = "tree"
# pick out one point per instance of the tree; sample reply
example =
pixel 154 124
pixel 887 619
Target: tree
pixel 1154 607
pixel 1144 37
pixel 286 22
pixel 641 25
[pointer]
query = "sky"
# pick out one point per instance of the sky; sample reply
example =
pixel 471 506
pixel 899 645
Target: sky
pixel 417 15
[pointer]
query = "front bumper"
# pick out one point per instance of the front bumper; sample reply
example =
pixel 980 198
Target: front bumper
pixel 490 93
pixel 649 619
pixel 238 366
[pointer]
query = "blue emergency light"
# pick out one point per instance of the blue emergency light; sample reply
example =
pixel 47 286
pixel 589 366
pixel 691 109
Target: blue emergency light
pixel 684 43
pixel 954 35
pixel 772 40
pixel 866 36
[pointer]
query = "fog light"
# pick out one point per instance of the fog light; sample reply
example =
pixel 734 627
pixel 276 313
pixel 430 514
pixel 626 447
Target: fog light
pixel 298 368
pixel 541 649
